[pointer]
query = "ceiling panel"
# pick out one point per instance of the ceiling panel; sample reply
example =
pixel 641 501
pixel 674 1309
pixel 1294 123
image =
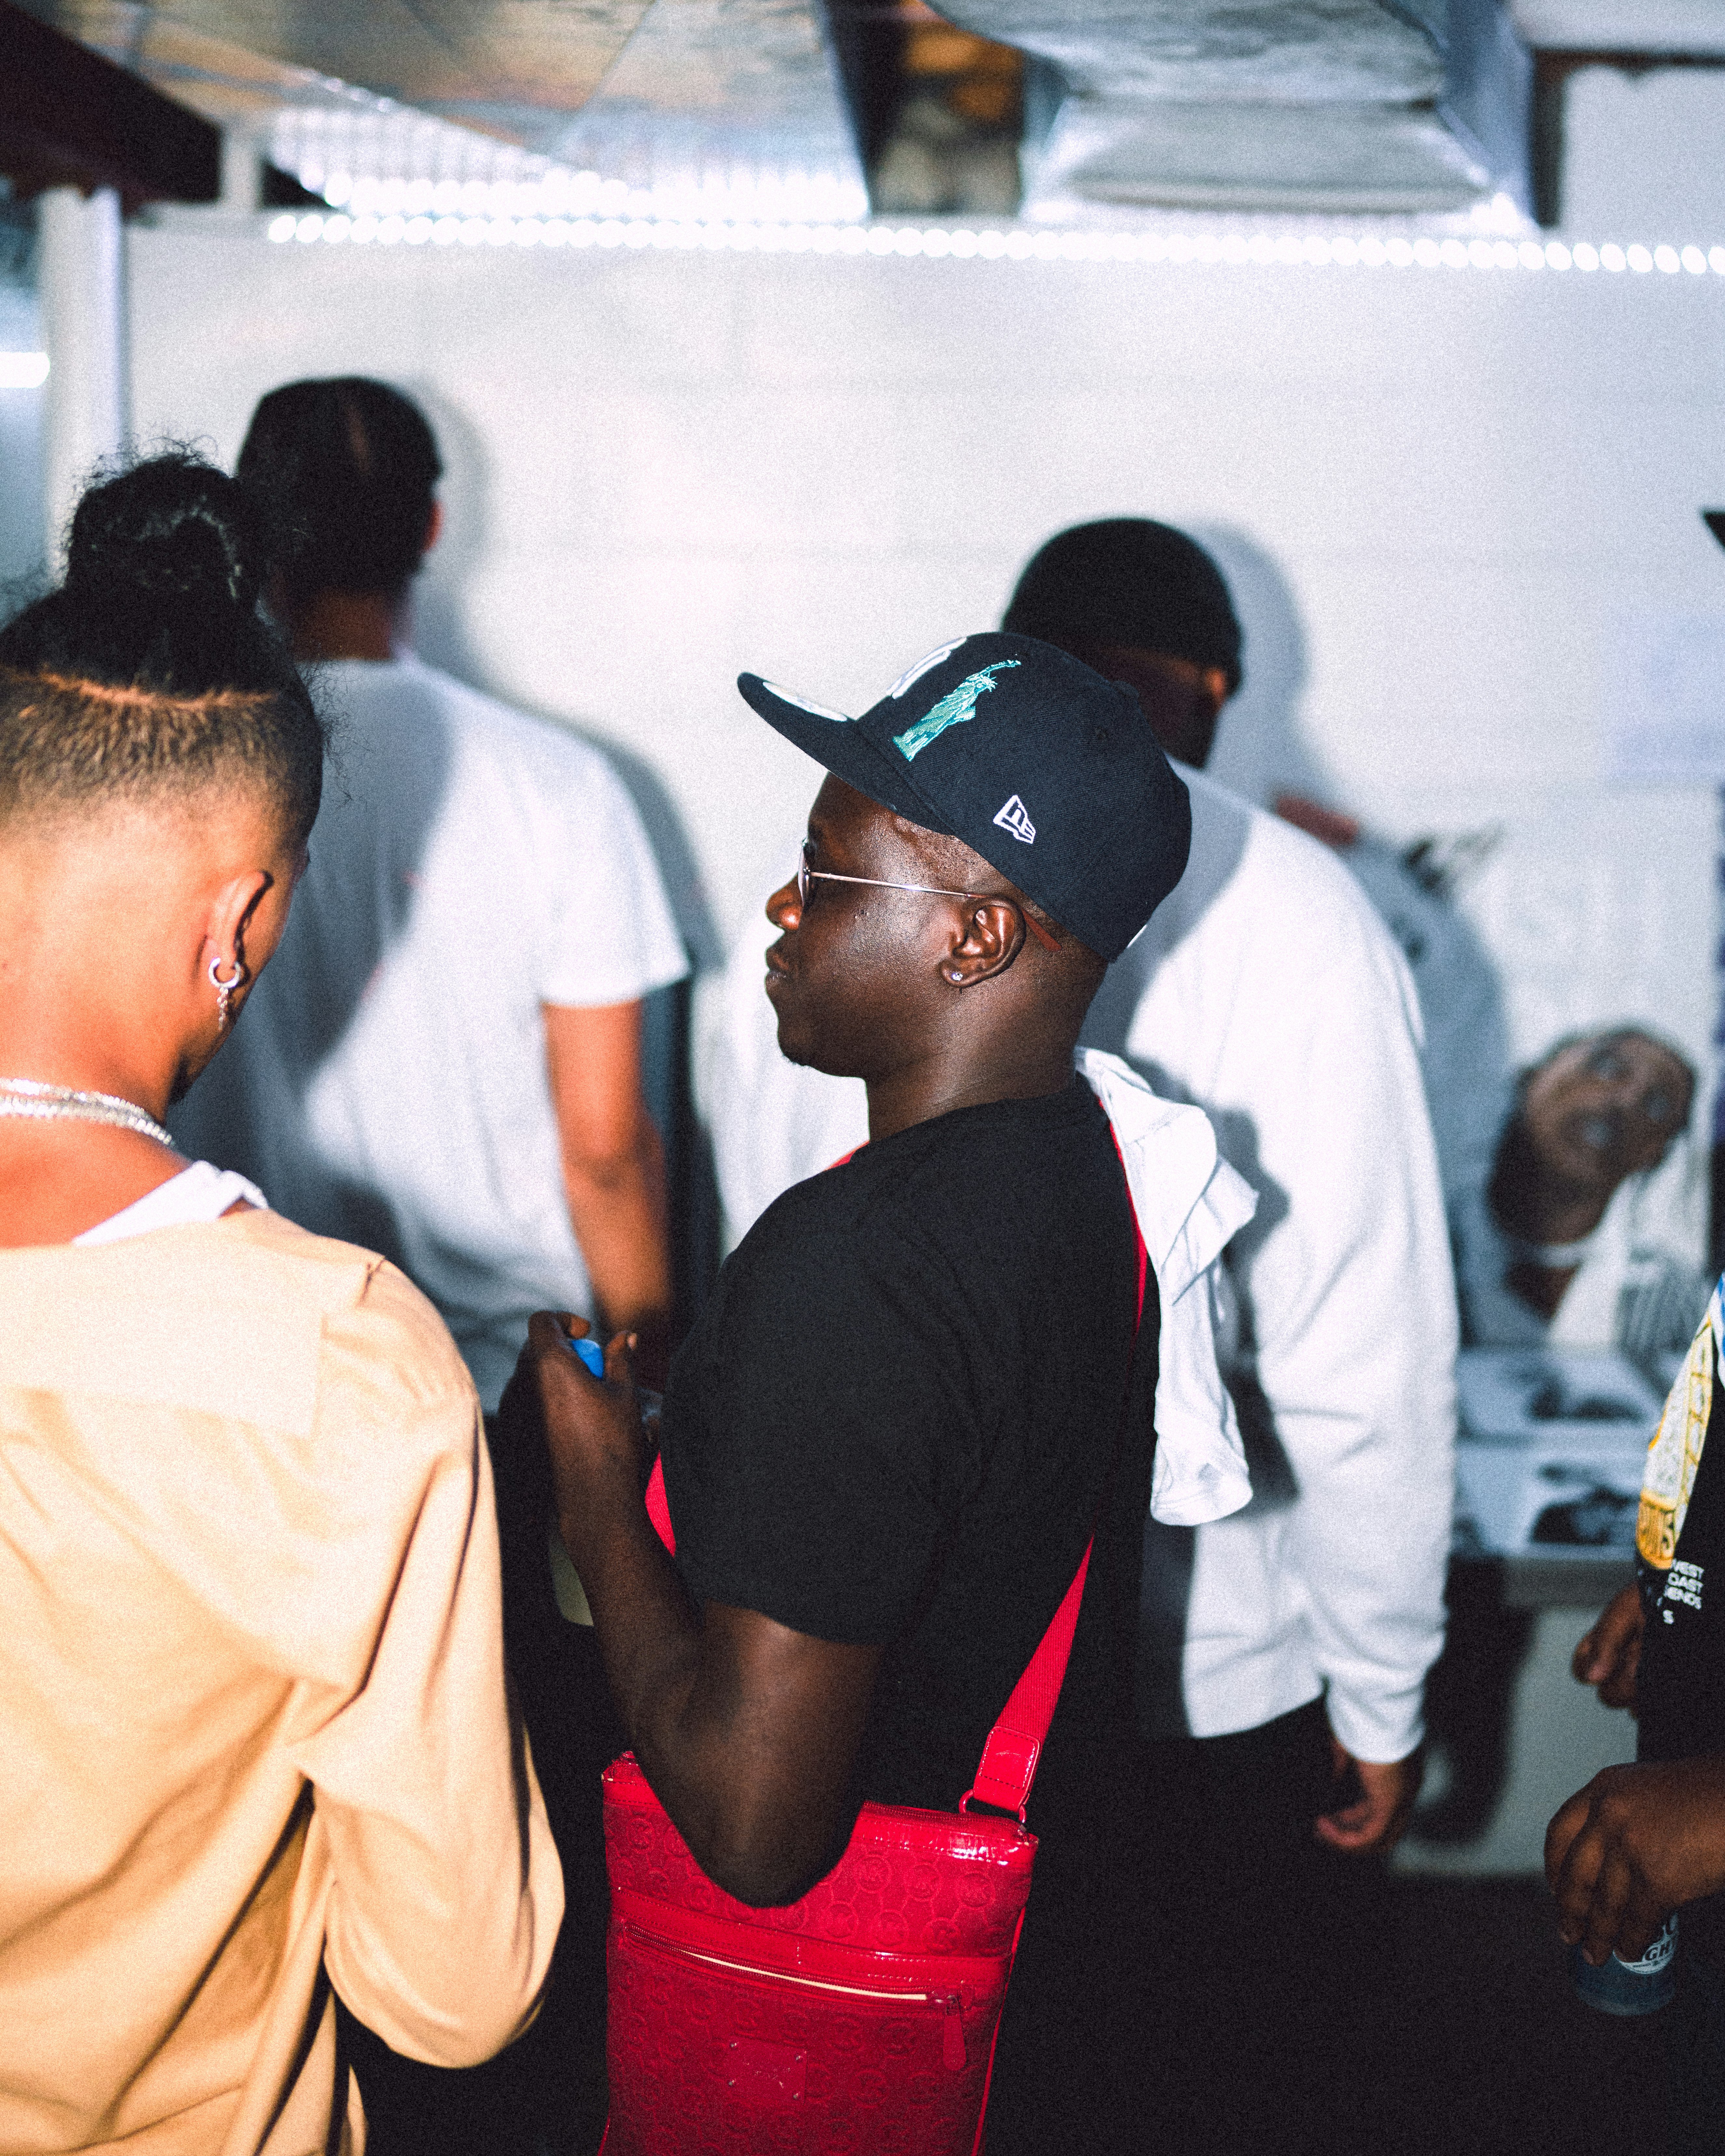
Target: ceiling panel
pixel 514 68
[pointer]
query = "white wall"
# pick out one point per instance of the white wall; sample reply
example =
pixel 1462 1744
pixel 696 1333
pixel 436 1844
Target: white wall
pixel 1641 152
pixel 1433 487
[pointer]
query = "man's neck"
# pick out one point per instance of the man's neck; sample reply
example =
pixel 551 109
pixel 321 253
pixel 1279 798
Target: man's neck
pixel 350 625
pixel 920 1093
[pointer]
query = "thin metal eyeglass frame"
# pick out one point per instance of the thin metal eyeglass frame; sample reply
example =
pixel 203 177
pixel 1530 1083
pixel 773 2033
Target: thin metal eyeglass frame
pixel 807 876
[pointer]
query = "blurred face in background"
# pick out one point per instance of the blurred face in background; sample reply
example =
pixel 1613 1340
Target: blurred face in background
pixel 1599 1110
pixel 1181 699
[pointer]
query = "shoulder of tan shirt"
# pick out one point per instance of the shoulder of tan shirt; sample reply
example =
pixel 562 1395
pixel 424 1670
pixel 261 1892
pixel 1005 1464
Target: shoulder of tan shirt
pixel 273 1305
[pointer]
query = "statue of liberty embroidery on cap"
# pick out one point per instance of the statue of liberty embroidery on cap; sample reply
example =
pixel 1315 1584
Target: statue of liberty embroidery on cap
pixel 954 709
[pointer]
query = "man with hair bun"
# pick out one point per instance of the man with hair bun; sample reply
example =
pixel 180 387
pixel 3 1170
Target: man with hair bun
pixel 257 1742
pixel 1281 1652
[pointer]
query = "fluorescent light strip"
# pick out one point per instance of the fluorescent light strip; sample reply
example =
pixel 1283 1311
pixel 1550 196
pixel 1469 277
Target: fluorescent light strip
pixel 737 194
pixel 992 244
pixel 22 370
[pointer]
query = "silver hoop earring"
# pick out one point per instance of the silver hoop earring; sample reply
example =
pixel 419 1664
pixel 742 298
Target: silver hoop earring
pixel 225 989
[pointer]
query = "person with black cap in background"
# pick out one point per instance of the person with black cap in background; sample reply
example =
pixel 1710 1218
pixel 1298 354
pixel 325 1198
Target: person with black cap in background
pixel 899 1418
pixel 1281 1652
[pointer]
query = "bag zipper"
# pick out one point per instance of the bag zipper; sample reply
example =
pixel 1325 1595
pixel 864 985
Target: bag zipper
pixel 950 2004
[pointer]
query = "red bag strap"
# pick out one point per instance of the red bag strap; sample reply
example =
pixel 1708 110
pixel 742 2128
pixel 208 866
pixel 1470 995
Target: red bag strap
pixel 1015 1746
pixel 658 1510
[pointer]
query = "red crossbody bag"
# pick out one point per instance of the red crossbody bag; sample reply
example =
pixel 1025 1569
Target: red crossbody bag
pixel 861 2019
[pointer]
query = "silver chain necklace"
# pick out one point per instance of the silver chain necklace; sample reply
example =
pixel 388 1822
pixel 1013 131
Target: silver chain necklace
pixel 30 1096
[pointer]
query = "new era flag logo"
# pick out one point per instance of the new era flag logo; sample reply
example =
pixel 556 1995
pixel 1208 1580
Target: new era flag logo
pixel 1012 818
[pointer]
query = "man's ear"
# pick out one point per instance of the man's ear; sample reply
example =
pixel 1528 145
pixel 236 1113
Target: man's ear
pixel 1213 681
pixel 994 935
pixel 434 527
pixel 231 912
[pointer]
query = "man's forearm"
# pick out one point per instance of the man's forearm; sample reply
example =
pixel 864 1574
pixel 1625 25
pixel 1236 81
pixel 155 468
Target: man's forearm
pixel 651 1639
pixel 747 1728
pixel 617 1211
pixel 758 1819
pixel 649 1633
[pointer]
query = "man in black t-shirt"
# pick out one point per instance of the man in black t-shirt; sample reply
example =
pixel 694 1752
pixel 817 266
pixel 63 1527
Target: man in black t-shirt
pixel 1639 1842
pixel 888 1438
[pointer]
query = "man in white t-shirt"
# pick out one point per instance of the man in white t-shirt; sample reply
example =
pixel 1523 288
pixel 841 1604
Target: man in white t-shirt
pixel 445 1062
pixel 1282 1651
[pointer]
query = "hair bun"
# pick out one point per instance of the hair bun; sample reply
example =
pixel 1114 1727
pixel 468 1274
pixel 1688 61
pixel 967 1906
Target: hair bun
pixel 174 529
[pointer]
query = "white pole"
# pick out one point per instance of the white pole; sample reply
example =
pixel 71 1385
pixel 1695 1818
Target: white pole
pixel 80 286
pixel 242 171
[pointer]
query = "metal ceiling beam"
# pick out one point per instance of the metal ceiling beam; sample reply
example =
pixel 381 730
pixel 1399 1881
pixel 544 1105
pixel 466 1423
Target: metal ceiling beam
pixel 1412 105
pixel 69 118
pixel 714 107
pixel 736 102
pixel 514 68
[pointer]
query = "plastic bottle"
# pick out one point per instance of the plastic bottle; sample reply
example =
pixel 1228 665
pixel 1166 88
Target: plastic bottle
pixel 1629 1987
pixel 592 1353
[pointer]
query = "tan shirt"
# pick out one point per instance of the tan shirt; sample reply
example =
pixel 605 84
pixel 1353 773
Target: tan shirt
pixel 252 1724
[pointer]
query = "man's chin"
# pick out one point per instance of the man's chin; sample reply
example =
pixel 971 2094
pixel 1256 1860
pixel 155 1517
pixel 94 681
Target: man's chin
pixel 807 1055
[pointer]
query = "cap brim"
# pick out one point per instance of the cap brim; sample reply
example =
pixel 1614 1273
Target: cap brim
pixel 839 744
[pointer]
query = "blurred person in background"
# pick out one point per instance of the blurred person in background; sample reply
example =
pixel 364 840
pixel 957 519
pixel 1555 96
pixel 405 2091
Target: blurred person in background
pixel 252 1701
pixel 444 1065
pixel 1282 1653
pixel 445 1062
pixel 1576 1208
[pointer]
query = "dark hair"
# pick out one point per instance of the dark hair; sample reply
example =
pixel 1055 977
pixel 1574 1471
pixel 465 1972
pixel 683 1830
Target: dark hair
pixel 348 468
pixel 1126 580
pixel 150 670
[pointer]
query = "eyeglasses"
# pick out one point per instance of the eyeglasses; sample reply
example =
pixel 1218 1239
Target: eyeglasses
pixel 807 876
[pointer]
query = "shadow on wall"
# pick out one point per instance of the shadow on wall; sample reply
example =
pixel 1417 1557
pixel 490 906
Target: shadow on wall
pixel 1260 748
pixel 441 638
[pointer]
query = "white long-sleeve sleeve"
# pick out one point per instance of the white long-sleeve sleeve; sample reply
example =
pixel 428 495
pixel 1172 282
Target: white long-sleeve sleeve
pixel 1267 991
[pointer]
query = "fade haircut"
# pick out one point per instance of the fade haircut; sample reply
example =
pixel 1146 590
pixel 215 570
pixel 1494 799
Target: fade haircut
pixel 151 672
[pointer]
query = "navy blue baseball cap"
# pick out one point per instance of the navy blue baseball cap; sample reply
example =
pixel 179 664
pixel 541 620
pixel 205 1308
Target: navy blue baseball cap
pixel 1048 771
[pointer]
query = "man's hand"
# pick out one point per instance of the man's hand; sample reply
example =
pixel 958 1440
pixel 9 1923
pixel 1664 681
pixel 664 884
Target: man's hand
pixel 1376 1819
pixel 1636 1843
pixel 591 1428
pixel 1609 1656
